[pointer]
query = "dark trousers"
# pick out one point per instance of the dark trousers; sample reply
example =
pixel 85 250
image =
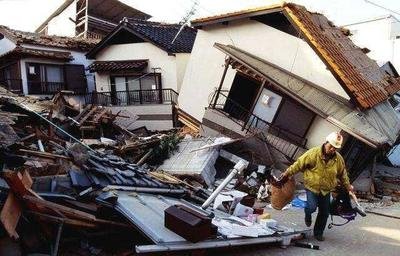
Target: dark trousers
pixel 323 203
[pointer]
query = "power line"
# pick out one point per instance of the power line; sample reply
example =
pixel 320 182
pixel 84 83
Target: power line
pixel 382 7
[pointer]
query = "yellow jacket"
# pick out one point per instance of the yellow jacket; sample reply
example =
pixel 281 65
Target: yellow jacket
pixel 320 176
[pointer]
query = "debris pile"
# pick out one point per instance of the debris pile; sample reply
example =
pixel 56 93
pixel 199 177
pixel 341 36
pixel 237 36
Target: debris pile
pixel 74 175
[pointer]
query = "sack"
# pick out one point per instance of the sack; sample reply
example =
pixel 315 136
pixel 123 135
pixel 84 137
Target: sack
pixel 282 196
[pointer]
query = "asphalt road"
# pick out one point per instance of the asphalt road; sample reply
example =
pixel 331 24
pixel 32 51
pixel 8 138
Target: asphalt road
pixel 371 235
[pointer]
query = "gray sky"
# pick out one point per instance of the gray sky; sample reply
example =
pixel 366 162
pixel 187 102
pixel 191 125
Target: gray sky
pixel 29 14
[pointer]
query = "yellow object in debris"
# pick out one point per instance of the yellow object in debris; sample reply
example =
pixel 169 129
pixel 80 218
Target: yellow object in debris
pixel 263 216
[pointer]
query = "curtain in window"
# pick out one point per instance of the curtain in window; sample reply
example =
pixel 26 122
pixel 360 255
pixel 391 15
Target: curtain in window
pixel 54 74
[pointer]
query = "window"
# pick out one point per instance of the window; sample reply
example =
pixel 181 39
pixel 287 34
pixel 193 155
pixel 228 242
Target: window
pixel 45 78
pixel 136 89
pixel 51 78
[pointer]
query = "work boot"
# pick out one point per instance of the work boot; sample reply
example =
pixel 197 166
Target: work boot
pixel 308 220
pixel 319 237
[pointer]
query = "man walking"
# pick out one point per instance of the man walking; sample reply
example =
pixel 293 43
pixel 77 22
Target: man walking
pixel 322 168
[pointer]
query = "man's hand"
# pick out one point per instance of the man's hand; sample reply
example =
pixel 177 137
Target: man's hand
pixel 281 180
pixel 350 188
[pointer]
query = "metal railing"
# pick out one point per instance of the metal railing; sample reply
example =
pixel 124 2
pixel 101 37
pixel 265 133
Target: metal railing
pixel 45 87
pixel 51 88
pixel 253 124
pixel 134 97
pixel 13 85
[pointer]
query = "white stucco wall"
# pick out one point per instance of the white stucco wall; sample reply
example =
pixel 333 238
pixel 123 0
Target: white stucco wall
pixel 61 25
pixel 383 44
pixel 205 67
pixel 6 45
pixel 318 131
pixel 78 58
pixel 157 59
pixel 182 60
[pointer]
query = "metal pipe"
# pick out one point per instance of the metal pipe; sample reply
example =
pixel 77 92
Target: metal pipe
pixel 59 231
pixel 237 169
pixel 204 245
pixel 145 190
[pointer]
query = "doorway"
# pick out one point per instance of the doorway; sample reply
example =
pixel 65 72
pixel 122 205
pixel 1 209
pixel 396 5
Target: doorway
pixel 241 97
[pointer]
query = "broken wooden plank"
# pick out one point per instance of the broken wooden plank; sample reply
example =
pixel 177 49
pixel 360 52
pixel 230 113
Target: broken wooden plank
pixel 84 118
pixel 10 215
pixel 100 115
pixel 30 136
pixel 19 184
pixel 76 118
pixel 44 154
pixel 68 221
pixel 67 211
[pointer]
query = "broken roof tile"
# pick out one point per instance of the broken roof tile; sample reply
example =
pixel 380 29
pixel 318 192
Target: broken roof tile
pixel 359 75
pixel 20 51
pixel 23 37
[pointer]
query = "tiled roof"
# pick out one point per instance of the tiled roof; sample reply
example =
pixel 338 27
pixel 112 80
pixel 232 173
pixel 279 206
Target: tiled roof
pixel 163 34
pixel 136 65
pixel 159 34
pixel 359 75
pixel 22 37
pixel 20 51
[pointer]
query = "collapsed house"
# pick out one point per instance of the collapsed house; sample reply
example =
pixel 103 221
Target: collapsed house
pixel 66 168
pixel 294 78
pixel 35 64
pixel 73 164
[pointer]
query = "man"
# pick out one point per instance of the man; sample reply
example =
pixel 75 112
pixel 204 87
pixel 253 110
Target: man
pixel 322 167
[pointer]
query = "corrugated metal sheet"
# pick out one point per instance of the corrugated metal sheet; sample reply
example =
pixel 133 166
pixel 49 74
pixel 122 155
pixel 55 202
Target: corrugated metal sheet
pixel 187 161
pixel 146 212
pixel 376 126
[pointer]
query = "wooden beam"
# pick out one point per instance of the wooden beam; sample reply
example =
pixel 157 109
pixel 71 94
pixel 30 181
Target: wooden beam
pixel 221 82
pixel 87 115
pixel 44 154
pixel 10 214
pixel 67 211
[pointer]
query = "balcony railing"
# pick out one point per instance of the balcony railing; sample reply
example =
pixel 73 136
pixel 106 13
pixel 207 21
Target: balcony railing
pixel 13 85
pixel 51 88
pixel 45 87
pixel 135 97
pixel 253 124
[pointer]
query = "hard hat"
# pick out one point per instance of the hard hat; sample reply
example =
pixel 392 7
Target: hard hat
pixel 335 139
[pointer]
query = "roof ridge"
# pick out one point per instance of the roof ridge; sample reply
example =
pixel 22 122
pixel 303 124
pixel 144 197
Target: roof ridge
pixel 35 34
pixel 147 22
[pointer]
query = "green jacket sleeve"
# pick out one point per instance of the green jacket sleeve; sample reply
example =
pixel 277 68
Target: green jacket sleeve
pixel 303 162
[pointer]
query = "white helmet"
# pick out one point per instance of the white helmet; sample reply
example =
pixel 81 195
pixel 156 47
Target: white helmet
pixel 335 139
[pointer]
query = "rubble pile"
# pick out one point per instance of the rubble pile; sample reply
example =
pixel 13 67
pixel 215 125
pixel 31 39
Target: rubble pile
pixel 61 164
pixel 72 176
